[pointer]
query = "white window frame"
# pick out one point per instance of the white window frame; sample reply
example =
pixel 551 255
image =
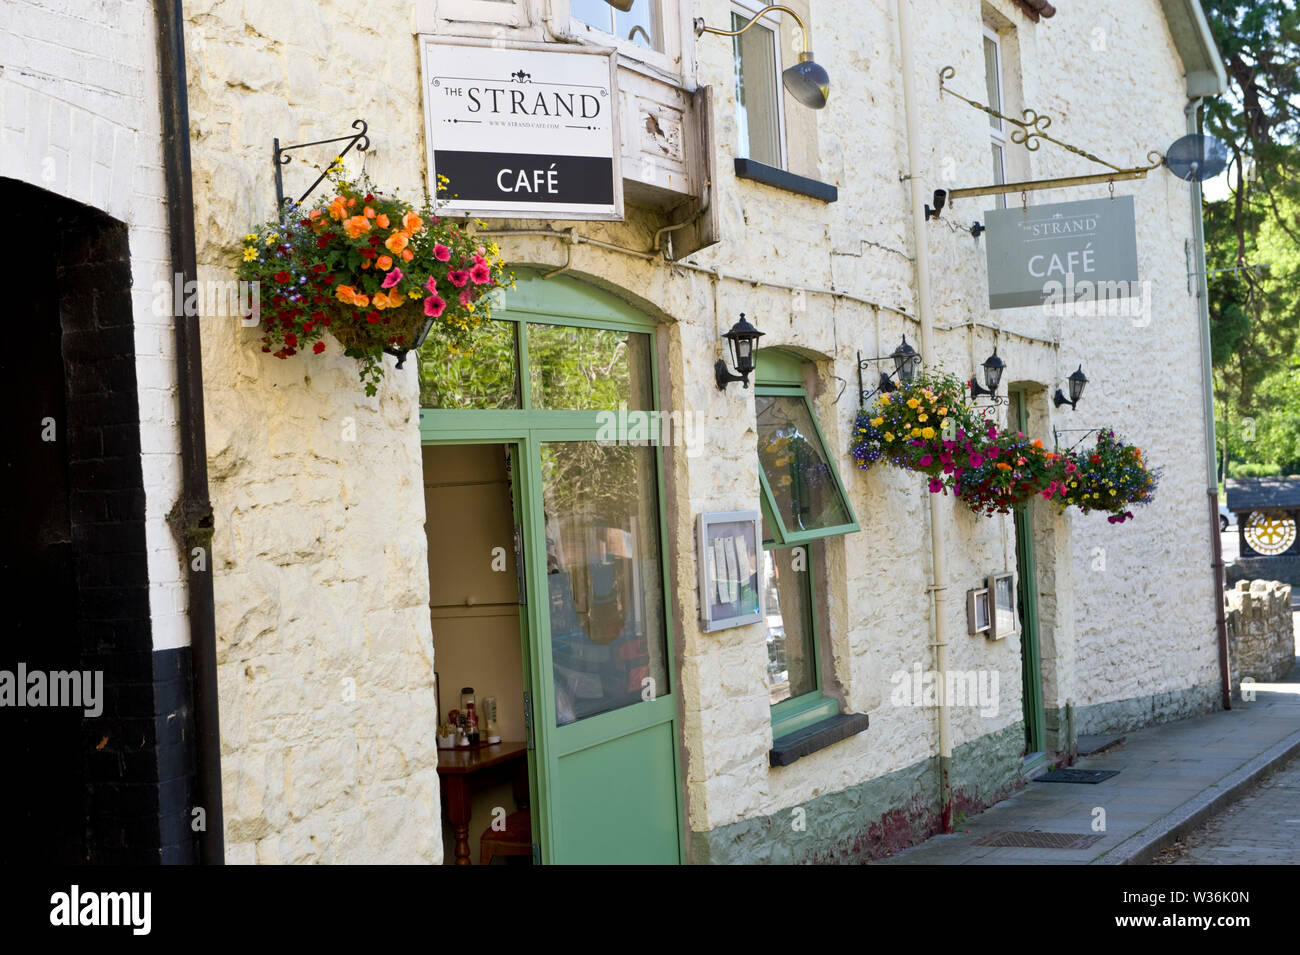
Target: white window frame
pixel 747 9
pixel 998 132
pixel 672 59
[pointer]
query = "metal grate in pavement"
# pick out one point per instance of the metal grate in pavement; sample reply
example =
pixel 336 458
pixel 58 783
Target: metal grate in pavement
pixel 1076 775
pixel 1019 839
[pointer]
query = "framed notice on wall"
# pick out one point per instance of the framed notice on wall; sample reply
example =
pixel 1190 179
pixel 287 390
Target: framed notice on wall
pixel 728 559
pixel 522 131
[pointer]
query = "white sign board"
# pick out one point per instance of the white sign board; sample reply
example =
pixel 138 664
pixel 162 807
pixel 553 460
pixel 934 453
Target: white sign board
pixel 526 131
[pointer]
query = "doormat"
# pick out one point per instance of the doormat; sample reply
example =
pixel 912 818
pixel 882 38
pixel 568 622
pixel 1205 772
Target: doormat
pixel 1076 775
pixel 1014 839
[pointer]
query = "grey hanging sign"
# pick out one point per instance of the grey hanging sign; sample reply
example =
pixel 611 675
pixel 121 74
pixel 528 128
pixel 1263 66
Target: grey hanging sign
pixel 1062 253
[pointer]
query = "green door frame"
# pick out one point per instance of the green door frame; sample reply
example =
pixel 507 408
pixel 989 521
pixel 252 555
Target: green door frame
pixel 562 301
pixel 1027 588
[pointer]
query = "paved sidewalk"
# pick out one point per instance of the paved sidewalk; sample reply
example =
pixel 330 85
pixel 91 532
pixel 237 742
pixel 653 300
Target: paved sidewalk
pixel 1262 829
pixel 1172 779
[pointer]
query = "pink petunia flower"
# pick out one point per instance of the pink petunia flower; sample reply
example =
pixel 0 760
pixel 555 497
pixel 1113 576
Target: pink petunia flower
pixel 480 273
pixel 935 485
pixel 458 278
pixel 926 460
pixel 467 296
pixel 441 252
pixel 434 306
pixel 976 460
pixel 392 278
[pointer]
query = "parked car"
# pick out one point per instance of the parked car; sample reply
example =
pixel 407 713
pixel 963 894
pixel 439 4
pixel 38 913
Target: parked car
pixel 1225 516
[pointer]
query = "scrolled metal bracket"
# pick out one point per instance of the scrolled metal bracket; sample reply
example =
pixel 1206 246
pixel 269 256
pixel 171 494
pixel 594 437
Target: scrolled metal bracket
pixel 1033 127
pixel 360 140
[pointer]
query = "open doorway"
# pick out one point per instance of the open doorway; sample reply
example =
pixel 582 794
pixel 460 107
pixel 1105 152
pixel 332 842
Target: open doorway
pixel 480 642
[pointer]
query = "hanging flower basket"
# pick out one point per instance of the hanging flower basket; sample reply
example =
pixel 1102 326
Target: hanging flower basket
pixel 372 271
pixel 928 425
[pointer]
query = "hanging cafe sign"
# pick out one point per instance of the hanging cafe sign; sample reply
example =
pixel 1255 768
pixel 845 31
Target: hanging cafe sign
pixel 524 131
pixel 1062 252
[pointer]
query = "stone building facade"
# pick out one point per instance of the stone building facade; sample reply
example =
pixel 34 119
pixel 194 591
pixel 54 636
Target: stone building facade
pixel 322 555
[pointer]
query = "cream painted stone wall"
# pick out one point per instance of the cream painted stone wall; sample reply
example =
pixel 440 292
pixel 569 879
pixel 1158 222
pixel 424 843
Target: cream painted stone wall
pixel 320 547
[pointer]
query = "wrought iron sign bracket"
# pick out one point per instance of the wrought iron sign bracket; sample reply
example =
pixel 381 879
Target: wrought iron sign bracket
pixel 1057 432
pixel 360 140
pixel 1027 132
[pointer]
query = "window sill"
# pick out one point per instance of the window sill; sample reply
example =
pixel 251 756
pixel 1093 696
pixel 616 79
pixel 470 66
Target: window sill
pixel 819 735
pixel 781 179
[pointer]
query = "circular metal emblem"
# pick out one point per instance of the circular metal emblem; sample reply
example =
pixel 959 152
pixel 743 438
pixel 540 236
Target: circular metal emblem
pixel 1269 534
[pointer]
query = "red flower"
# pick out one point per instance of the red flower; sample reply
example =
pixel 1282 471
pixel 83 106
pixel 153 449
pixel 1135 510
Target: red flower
pixel 291 339
pixel 322 242
pixel 283 277
pixel 318 347
pixel 373 318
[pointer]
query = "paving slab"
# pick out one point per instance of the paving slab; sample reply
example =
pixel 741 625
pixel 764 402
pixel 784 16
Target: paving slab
pixel 1173 777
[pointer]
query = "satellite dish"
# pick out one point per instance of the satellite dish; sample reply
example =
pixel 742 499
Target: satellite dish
pixel 1196 157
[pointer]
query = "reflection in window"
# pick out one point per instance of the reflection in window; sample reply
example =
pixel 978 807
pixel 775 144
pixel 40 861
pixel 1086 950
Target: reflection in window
pixel 588 369
pixel 605 579
pixel 787 602
pixel 758 119
pixel 796 465
pixel 640 24
pixel 484 377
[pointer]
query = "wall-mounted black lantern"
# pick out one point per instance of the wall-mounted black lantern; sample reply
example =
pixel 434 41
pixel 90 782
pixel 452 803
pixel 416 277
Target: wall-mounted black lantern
pixel 906 361
pixel 742 341
pixel 993 367
pixel 807 81
pixel 1077 382
pixel 401 353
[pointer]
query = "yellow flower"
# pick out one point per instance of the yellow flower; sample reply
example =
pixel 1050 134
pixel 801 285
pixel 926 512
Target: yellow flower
pixel 912 402
pixel 250 237
pixel 415 293
pixel 923 417
pixel 927 433
pixel 271 240
pixel 884 399
pixel 250 253
pixel 916 432
pixel 877 422
pixel 889 436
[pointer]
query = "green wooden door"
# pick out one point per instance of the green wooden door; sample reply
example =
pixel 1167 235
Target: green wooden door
pixel 599 644
pixel 1027 600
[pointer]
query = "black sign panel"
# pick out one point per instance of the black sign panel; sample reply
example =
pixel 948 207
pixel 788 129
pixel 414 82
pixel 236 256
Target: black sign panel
pixel 520 177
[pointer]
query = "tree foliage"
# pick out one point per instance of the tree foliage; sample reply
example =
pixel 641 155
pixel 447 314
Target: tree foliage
pixel 1253 235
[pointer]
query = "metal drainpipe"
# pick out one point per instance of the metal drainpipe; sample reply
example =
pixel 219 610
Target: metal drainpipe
pixel 1207 396
pixel 938 559
pixel 194 512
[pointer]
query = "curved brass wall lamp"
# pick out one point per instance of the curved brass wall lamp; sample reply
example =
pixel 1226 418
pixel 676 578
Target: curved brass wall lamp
pixel 806 81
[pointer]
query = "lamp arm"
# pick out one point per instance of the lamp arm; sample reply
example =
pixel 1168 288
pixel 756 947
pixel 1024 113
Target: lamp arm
pixel 701 27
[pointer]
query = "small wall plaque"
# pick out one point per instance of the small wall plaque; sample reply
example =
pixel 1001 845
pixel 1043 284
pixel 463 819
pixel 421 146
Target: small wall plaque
pixel 728 558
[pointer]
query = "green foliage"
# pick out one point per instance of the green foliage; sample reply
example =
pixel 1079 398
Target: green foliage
pixel 1253 236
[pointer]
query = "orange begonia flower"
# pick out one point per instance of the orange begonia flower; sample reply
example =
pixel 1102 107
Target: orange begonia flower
pixel 1004 466
pixel 356 225
pixel 407 255
pixel 337 208
pixel 381 220
pixel 397 242
pixel 383 263
pixel 411 222
pixel 1038 443
pixel 361 301
pixel 345 294
pixel 368 212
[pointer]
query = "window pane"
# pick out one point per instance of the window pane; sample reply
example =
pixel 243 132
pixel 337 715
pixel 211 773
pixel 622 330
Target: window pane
pixel 638 25
pixel 757 121
pixel 999 173
pixel 796 465
pixel 594 13
pixel 992 80
pixel 483 378
pixel 791 664
pixel 588 369
pixel 606 586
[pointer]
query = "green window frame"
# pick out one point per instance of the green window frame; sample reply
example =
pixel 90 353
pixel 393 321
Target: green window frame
pixel 780 374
